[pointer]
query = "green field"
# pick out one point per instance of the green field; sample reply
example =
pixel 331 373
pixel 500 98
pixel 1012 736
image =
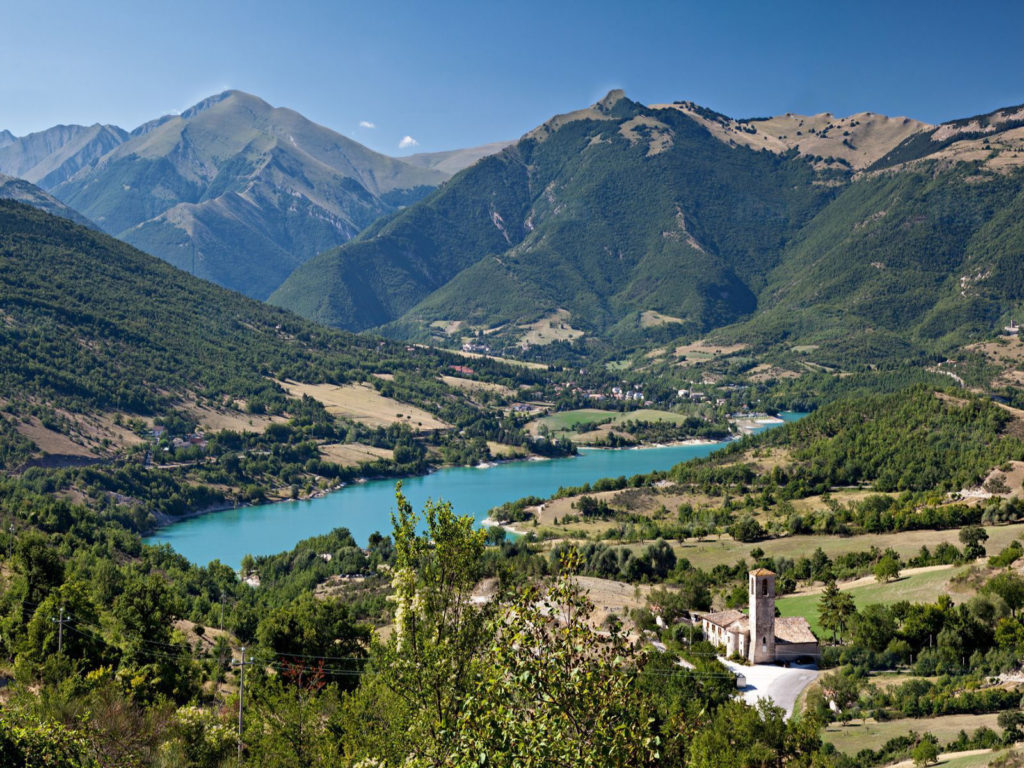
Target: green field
pixel 711 552
pixel 856 736
pixel 922 587
pixel 563 423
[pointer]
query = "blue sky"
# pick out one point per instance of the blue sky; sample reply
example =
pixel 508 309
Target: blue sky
pixel 452 74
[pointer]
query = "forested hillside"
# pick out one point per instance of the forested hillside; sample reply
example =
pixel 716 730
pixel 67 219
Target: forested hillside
pixel 606 213
pixel 619 226
pixel 100 339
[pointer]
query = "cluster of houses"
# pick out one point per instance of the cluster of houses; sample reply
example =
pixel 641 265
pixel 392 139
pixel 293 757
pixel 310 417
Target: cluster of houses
pixel 196 439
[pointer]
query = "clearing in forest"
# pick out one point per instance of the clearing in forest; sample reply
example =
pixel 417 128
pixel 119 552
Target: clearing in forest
pixel 363 404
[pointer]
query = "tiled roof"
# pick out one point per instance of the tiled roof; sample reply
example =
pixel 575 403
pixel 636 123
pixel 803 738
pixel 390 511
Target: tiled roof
pixel 794 629
pixel 724 618
pixel 762 572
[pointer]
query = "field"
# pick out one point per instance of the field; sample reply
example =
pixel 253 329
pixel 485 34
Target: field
pixel 974 758
pixel 856 736
pixel 651 319
pixel 563 423
pixel 363 404
pixel 353 454
pixel 549 329
pixel 470 385
pixel 702 351
pixel 612 597
pixel 920 585
pixel 508 360
pixel 708 553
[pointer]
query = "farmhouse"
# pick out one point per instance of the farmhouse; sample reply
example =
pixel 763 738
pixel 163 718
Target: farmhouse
pixel 759 635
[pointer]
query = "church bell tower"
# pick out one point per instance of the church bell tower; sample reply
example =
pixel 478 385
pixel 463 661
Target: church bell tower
pixel 762 616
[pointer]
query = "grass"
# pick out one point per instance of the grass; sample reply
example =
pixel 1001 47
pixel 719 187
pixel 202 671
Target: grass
pixel 364 404
pixel 971 761
pixel 922 587
pixel 563 423
pixel 856 736
pixel 709 553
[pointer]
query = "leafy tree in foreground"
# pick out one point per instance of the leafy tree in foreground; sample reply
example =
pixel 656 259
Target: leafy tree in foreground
pixel 552 691
pixel 418 679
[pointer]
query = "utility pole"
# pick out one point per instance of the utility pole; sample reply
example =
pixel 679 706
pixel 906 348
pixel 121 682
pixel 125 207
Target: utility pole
pixel 241 698
pixel 60 629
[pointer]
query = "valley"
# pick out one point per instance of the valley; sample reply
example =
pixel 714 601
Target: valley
pixel 581 390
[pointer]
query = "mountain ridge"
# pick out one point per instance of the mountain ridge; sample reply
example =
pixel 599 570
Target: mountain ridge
pixel 625 230
pixel 233 187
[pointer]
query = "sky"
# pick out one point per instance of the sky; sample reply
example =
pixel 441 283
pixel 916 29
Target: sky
pixel 429 75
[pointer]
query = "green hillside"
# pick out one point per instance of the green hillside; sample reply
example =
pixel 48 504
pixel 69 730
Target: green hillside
pixel 604 213
pixel 925 258
pixel 97 336
pixel 625 227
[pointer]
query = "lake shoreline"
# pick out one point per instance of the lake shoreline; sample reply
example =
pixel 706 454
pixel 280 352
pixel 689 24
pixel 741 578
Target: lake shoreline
pixel 263 528
pixel 164 520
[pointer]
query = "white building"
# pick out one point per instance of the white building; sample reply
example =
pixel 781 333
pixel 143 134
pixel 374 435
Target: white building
pixel 772 639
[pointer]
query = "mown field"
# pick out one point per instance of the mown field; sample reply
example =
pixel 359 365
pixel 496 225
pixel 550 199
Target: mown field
pixel 920 586
pixel 855 736
pixel 565 423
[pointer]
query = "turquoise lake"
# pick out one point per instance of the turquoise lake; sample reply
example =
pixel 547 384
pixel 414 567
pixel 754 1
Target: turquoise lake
pixel 363 508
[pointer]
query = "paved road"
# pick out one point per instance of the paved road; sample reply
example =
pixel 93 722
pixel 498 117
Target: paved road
pixel 780 685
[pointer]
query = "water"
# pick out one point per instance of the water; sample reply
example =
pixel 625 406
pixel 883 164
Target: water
pixel 366 507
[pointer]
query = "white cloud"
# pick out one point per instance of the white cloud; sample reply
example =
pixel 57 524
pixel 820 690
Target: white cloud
pixel 366 124
pixel 407 142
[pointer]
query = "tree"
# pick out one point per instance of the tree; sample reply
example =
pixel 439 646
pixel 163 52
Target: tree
pixel 887 569
pixel 661 558
pixel 746 530
pixel 874 627
pixel 410 696
pixel 1009 585
pixel 926 752
pixel 835 610
pixel 292 721
pixel 844 688
pixel 313 627
pixel 550 690
pixel 972 536
pixel 42 745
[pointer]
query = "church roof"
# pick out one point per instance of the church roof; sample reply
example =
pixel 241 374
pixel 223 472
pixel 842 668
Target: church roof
pixel 793 629
pixel 725 618
pixel 762 572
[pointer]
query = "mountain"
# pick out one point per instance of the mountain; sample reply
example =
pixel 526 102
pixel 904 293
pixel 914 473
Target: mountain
pixel 865 237
pixel 599 221
pixel 454 160
pixel 50 157
pixel 23 192
pixel 233 189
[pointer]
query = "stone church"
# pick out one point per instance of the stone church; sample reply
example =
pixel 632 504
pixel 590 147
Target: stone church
pixel 758 635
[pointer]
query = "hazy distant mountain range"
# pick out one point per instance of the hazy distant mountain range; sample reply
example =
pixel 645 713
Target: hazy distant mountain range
pixel 233 189
pixel 630 223
pixel 24 192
